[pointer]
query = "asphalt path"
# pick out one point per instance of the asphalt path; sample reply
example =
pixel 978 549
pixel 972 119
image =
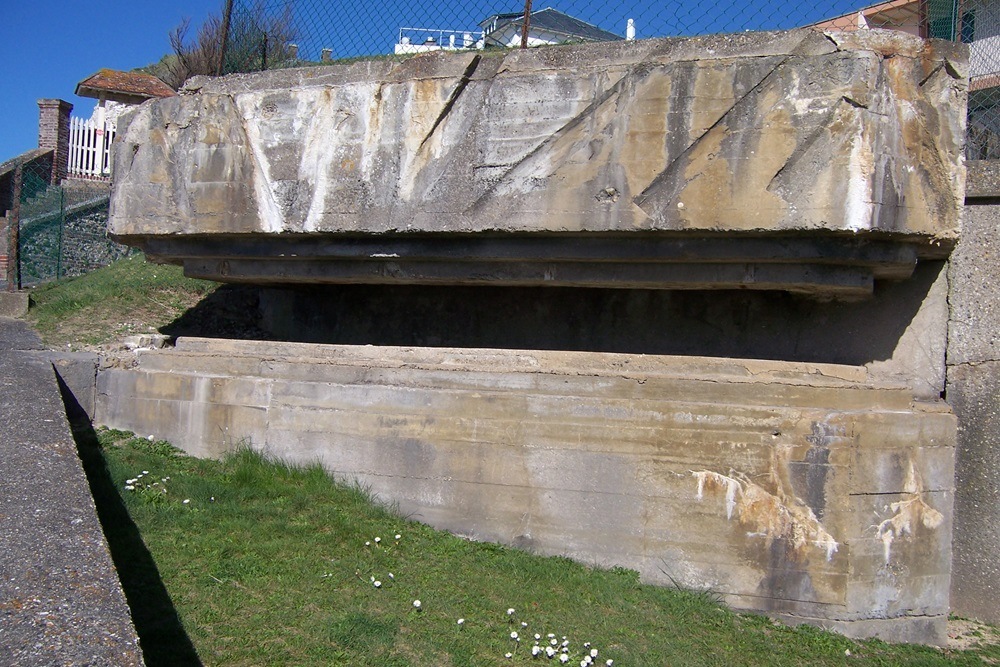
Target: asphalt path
pixel 61 602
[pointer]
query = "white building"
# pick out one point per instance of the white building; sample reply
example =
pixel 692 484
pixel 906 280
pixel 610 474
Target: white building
pixel 545 26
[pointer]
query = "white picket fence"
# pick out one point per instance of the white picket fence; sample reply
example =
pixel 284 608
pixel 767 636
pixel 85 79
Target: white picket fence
pixel 90 148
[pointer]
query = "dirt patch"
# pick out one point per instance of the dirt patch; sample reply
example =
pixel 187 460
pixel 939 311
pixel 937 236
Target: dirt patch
pixel 964 635
pixel 230 311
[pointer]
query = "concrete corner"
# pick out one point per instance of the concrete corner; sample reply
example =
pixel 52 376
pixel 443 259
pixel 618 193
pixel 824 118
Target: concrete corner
pixel 14 304
pixel 76 375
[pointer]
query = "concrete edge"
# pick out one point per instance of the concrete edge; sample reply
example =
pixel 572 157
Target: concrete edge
pixel 982 179
pixel 14 304
pixel 76 374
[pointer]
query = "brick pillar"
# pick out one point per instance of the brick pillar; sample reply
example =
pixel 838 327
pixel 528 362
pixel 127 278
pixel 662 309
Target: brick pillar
pixel 53 133
pixel 3 247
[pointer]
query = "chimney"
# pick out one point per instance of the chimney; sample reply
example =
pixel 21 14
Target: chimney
pixel 53 134
pixel 326 55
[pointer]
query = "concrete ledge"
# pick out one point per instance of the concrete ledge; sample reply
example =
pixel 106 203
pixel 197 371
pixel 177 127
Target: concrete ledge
pixel 14 304
pixel 557 167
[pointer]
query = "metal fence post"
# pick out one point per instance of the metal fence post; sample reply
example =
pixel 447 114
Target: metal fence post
pixel 226 19
pixel 14 233
pixel 525 26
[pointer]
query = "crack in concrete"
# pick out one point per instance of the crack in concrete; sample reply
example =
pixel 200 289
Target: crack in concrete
pixel 930 75
pixel 666 175
pixel 854 103
pixel 556 136
pixel 977 362
pixel 455 94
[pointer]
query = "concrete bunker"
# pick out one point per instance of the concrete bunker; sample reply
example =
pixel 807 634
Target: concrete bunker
pixel 676 305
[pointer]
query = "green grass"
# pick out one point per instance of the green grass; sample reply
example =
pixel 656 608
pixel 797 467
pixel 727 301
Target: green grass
pixel 130 296
pixel 267 564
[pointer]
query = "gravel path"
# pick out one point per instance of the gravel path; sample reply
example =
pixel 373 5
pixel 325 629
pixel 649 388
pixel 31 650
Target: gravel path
pixel 61 602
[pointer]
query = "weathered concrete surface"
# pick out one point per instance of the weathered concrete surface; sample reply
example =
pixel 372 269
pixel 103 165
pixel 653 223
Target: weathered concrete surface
pixel 628 164
pixel 974 393
pixel 982 179
pixel 76 373
pixel 809 491
pixel 61 602
pixel 13 304
pixel 973 389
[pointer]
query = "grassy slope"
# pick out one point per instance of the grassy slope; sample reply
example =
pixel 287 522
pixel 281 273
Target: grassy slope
pixel 130 296
pixel 268 564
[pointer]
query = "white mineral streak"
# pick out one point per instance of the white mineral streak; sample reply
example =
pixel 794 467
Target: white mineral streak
pixel 908 514
pixel 858 208
pixel 423 106
pixel 774 516
pixel 731 487
pixel 318 145
pixel 368 168
pixel 269 213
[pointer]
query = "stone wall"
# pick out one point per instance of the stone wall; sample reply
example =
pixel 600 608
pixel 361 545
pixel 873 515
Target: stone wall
pixel 4 240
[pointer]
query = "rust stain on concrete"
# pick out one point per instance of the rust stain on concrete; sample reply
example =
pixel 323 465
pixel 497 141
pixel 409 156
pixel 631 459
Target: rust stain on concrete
pixel 910 515
pixel 771 515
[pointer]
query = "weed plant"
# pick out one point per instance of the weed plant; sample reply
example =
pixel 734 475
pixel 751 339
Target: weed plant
pixel 270 564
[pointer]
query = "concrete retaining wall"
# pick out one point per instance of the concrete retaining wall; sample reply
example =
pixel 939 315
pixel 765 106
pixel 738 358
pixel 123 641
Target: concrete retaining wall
pixel 973 390
pixel 809 491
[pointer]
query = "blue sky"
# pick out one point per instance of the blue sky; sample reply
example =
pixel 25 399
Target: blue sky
pixel 48 46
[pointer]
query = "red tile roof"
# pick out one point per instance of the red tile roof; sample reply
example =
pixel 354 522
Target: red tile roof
pixel 115 84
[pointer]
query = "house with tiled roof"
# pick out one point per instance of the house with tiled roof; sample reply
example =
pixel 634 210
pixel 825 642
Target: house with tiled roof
pixel 546 26
pixel 66 179
pixel 123 87
pixel 116 91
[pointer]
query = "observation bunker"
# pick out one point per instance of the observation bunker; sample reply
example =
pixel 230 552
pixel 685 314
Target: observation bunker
pixel 676 305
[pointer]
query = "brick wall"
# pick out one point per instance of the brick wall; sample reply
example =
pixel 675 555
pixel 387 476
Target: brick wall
pixel 3 249
pixel 53 133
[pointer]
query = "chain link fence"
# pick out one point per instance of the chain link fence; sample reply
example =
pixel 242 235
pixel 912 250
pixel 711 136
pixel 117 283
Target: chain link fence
pixel 269 34
pixel 49 231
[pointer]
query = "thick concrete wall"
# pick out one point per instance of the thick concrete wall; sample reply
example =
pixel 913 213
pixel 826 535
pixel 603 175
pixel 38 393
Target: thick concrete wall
pixel 802 130
pixel 973 390
pixel 809 491
pixel 796 164
pixel 802 161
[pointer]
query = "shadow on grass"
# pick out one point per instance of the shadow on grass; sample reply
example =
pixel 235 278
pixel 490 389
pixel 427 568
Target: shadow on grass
pixel 230 311
pixel 161 635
